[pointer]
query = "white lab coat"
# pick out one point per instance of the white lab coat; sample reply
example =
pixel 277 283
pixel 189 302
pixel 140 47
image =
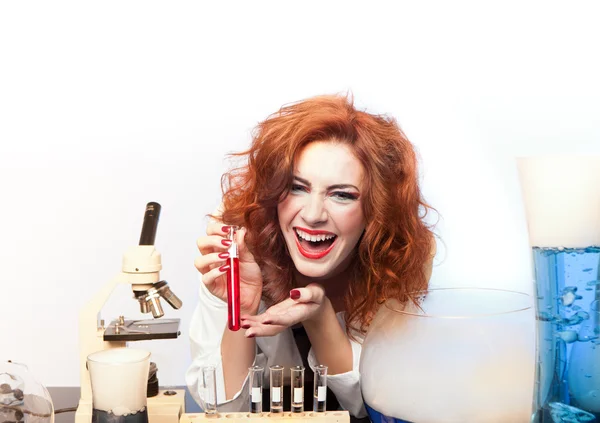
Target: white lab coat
pixel 206 331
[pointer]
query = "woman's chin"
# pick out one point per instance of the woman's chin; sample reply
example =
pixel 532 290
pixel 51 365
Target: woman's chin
pixel 312 270
pixel 321 269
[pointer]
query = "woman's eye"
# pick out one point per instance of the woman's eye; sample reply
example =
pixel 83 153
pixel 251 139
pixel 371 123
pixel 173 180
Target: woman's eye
pixel 298 188
pixel 344 196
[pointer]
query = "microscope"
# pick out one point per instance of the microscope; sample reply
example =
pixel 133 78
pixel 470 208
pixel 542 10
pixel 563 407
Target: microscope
pixel 140 269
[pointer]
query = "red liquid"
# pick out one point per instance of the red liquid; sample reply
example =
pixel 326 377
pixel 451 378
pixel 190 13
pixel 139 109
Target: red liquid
pixel 233 294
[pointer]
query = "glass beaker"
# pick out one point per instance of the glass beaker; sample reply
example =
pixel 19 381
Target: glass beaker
pixel 461 355
pixel 562 203
pixel 22 398
pixel 119 379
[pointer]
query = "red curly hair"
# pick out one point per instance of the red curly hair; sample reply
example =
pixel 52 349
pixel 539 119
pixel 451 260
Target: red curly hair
pixel 397 243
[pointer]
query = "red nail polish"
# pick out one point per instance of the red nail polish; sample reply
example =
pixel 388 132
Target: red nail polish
pixel 294 294
pixel 225 229
pixel 224 255
pixel 250 336
pixel 224 268
pixel 226 242
pixel 245 326
pixel 267 322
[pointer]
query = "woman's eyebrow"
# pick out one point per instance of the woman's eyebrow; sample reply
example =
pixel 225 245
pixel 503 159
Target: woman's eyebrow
pixel 330 187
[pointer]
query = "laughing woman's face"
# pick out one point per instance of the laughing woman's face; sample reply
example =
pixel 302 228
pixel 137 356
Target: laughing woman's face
pixel 322 217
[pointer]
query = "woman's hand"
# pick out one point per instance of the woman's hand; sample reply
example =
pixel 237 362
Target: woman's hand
pixel 304 304
pixel 213 249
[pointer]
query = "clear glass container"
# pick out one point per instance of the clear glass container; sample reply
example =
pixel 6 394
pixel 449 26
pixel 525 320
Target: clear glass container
pixel 119 378
pixel 209 389
pixel 462 355
pixel 297 391
pixel 276 388
pixel 255 374
pixel 22 398
pixel 561 194
pixel 320 389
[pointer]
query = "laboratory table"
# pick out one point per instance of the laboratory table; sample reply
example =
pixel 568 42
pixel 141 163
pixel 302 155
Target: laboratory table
pixel 68 397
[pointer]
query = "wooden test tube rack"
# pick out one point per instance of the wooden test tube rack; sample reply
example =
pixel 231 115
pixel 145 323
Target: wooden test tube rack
pixel 265 417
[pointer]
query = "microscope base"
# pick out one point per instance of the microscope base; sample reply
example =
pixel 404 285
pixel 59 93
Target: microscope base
pixel 161 408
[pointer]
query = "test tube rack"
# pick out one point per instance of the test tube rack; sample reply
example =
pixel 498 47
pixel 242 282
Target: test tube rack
pixel 285 417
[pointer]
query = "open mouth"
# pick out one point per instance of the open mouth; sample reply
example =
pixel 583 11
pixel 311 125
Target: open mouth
pixel 314 246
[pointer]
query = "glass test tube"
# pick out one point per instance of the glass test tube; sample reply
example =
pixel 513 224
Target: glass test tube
pixel 276 389
pixel 320 388
pixel 255 375
pixel 297 382
pixel 233 282
pixel 209 385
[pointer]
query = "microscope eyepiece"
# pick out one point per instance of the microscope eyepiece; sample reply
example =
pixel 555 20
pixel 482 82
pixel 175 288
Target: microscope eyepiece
pixel 149 292
pixel 150 224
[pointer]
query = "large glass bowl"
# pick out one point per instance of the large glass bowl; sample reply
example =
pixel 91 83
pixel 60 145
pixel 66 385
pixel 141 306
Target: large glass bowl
pixel 22 398
pixel 462 355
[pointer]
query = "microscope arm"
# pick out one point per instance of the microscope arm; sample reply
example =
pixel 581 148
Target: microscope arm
pixel 91 331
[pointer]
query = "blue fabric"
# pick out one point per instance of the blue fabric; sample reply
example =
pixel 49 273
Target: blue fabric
pixel 377 417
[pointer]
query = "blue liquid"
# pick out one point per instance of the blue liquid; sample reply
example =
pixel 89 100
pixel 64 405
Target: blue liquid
pixel 377 417
pixel 568 346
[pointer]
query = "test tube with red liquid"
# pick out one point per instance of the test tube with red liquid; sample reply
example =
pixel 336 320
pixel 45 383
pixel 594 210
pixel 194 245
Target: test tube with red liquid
pixel 233 282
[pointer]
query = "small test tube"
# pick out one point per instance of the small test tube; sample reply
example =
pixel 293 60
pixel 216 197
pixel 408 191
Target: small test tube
pixel 297 384
pixel 209 386
pixel 320 389
pixel 276 389
pixel 255 376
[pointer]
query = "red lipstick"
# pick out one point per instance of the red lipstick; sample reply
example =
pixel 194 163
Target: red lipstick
pixel 313 232
pixel 314 255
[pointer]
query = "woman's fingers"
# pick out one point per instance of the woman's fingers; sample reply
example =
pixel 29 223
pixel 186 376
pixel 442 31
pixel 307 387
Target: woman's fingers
pixel 286 313
pixel 215 227
pixel 216 238
pixel 312 293
pixel 269 324
pixel 299 303
pixel 263 330
pixel 209 262
pixel 278 308
pixel 210 243
pixel 209 277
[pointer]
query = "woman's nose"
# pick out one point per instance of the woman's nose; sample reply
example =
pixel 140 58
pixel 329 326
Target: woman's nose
pixel 314 211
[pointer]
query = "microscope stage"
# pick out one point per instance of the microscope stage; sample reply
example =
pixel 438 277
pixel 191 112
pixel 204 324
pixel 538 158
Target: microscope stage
pixel 141 330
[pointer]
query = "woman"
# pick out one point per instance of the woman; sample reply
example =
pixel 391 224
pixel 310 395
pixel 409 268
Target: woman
pixel 333 226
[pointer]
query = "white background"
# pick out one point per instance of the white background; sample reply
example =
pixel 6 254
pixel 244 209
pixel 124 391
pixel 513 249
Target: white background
pixel 105 106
